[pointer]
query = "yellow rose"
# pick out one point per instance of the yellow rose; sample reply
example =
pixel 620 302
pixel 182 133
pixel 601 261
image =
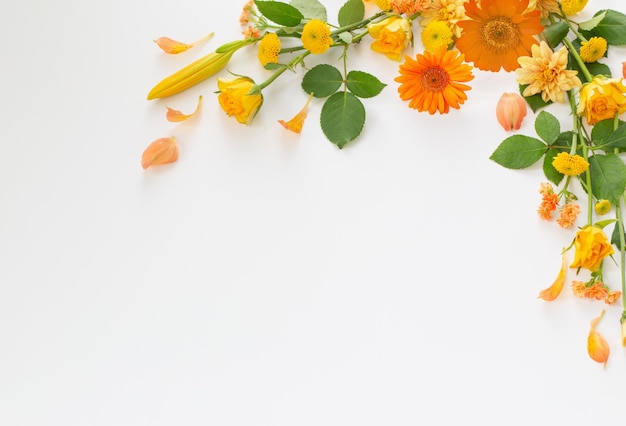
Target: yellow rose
pixel 235 98
pixel 592 246
pixel 601 99
pixel 392 36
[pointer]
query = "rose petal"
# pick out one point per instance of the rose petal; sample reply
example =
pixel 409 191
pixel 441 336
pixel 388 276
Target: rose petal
pixel 554 290
pixel 174 47
pixel 296 123
pixel 160 151
pixel 176 116
pixel 597 347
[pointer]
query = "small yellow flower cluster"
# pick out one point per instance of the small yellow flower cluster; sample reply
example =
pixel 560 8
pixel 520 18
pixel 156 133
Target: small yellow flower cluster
pixel 269 48
pixel 437 34
pixel 316 37
pixel 593 49
pixel 570 165
pixel 572 7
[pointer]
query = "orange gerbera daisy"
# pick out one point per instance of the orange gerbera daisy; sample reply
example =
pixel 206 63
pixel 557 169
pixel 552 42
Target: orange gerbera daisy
pixel 433 81
pixel 498 33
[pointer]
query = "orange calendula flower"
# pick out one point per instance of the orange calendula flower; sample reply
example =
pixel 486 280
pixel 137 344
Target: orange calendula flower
pixel 237 98
pixel 391 36
pixel 597 347
pixel 174 47
pixel 160 151
pixel 613 297
pixel 569 214
pixel 601 99
pixel 434 81
pixel 549 201
pixel 570 165
pixel 316 36
pixel 592 246
pixel 546 72
pixel 552 292
pixel 176 116
pixel 498 33
pixel 296 123
pixel 510 111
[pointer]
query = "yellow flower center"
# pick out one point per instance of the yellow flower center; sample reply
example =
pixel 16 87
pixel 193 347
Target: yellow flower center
pixel 435 79
pixel 500 34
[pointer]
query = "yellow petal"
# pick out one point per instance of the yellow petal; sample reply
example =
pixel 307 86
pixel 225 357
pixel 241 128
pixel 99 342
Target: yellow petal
pixel 173 46
pixel 160 151
pixel 597 347
pixel 554 290
pixel 296 123
pixel 176 116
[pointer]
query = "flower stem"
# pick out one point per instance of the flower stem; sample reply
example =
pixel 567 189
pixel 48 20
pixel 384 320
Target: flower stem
pixel 295 61
pixel 575 139
pixel 581 64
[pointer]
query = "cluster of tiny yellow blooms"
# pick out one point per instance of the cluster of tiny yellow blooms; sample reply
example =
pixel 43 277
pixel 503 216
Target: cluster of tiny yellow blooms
pixel 593 49
pixel 572 7
pixel 570 165
pixel 602 207
pixel 269 48
pixel 316 37
pixel 436 34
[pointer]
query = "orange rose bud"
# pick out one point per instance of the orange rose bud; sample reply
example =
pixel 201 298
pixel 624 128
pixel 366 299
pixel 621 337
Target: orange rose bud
pixel 160 151
pixel 510 111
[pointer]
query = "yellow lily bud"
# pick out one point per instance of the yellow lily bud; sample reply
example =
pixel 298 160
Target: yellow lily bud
pixel 197 71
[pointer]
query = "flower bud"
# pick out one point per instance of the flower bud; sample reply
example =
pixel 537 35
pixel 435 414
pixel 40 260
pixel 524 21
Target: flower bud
pixel 510 111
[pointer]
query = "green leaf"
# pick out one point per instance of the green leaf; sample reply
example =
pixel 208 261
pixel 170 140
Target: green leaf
pixel 518 152
pixel 322 80
pixel 555 33
pixel 592 23
pixel 311 9
pixel 551 173
pixel 351 12
pixel 612 27
pixel 547 127
pixel 346 37
pixel 342 118
pixel 535 102
pixel 608 177
pixel 615 236
pixel 616 139
pixel 364 85
pixel 279 12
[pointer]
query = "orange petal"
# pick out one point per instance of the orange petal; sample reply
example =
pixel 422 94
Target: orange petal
pixel 597 347
pixel 554 290
pixel 173 47
pixel 296 123
pixel 176 116
pixel 160 151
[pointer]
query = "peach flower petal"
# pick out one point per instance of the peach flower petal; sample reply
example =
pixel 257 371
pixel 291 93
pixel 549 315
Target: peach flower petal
pixel 160 151
pixel 597 347
pixel 296 123
pixel 175 116
pixel 554 290
pixel 174 47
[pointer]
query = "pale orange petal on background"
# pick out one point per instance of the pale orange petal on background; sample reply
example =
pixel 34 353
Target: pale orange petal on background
pixel 554 290
pixel 597 347
pixel 296 123
pixel 175 116
pixel 174 47
pixel 160 151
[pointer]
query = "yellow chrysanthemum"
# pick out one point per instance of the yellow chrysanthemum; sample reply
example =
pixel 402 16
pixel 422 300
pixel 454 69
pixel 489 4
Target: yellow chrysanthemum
pixel 572 7
pixel 570 165
pixel 546 72
pixel 592 50
pixel 602 206
pixel 450 11
pixel 316 36
pixel 269 48
pixel 436 34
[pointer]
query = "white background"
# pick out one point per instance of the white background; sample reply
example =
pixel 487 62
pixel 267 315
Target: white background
pixel 269 278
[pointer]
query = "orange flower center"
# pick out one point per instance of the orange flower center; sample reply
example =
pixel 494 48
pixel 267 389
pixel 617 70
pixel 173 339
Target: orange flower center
pixel 435 79
pixel 500 34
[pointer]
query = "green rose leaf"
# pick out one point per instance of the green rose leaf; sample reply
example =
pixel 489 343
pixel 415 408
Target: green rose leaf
pixel 555 33
pixel 547 127
pixel 351 12
pixel 535 102
pixel 322 80
pixel 280 13
pixel 342 118
pixel 551 173
pixel 364 85
pixel 592 23
pixel 611 27
pixel 346 37
pixel 311 9
pixel 518 152
pixel 608 177
pixel 615 139
pixel 615 239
